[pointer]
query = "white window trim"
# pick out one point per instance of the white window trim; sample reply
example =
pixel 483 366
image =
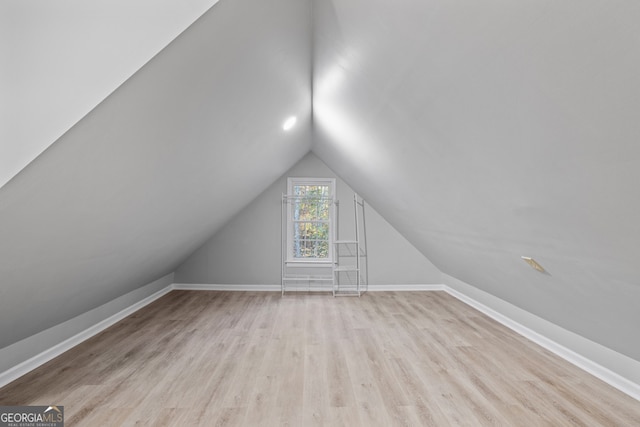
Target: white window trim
pixel 310 262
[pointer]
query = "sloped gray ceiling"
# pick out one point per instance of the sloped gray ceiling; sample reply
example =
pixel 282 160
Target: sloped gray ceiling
pixel 484 131
pixel 150 174
pixel 62 58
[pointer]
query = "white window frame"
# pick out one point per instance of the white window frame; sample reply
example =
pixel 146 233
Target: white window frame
pixel 291 182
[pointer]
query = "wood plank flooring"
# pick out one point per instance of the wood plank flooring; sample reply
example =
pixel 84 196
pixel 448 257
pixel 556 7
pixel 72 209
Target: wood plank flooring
pixel 259 359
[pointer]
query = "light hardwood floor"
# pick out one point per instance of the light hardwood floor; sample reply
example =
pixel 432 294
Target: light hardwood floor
pixel 386 359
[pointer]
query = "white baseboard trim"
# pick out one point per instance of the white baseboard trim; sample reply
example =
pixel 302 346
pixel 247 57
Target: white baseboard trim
pixel 621 383
pixel 276 288
pixel 612 378
pixel 29 365
pixel 239 288
pixel 405 288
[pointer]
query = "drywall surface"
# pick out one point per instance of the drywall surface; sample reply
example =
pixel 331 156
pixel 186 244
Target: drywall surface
pixel 59 59
pixel 32 346
pixel 624 366
pixel 247 249
pixel 487 131
pixel 145 178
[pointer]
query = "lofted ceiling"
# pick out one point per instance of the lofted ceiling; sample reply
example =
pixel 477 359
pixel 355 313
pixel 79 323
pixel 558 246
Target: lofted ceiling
pixel 482 131
pixel 487 131
pixel 146 177
pixel 62 58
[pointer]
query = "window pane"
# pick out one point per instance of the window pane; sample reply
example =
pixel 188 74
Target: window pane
pixel 312 202
pixel 311 190
pixel 310 240
pixel 305 248
pixel 323 210
pixel 311 230
pixel 310 217
pixel 322 249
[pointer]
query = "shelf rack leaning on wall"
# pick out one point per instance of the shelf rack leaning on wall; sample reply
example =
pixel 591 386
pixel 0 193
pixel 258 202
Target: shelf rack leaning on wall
pixel 350 266
pixel 344 272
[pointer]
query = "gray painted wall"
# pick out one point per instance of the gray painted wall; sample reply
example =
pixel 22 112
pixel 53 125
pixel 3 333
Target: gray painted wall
pixel 622 365
pixel 484 131
pixel 34 345
pixel 149 175
pixel 247 249
pixel 61 58
pixel 480 131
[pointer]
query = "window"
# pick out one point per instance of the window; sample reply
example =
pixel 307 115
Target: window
pixel 310 219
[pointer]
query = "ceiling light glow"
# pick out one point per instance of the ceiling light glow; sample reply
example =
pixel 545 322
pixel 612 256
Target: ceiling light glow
pixel 289 123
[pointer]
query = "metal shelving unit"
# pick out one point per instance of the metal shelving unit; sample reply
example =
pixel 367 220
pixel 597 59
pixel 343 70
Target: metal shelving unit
pixel 299 275
pixel 345 274
pixel 350 267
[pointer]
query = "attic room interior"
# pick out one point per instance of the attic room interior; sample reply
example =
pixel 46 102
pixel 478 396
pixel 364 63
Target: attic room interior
pixel 145 149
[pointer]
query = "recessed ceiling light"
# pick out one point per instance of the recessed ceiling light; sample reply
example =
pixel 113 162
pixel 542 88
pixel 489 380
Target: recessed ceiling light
pixel 289 123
